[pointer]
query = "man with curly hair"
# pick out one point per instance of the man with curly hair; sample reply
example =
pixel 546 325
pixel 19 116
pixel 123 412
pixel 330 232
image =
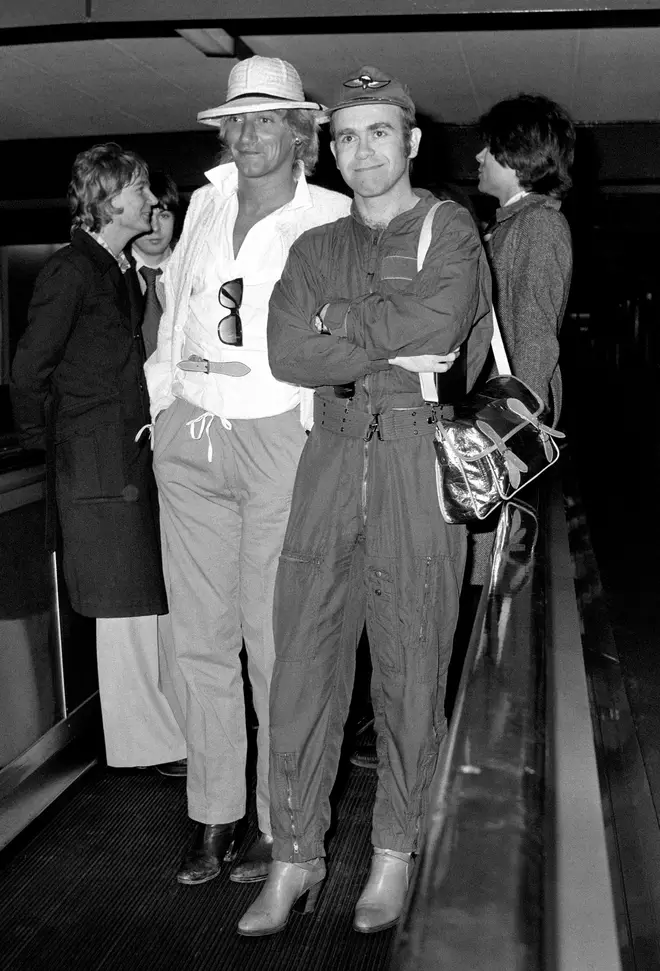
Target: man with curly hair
pixel 227 440
pixel 529 143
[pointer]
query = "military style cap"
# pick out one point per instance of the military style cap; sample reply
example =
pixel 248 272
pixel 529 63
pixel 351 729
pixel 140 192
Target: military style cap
pixel 369 86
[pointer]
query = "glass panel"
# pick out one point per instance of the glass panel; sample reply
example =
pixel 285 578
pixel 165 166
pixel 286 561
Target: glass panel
pixel 28 697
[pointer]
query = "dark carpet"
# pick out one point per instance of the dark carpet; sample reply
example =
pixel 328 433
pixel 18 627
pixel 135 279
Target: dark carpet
pixel 94 888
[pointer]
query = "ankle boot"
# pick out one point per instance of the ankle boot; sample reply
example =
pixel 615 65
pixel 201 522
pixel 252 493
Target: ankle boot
pixel 254 866
pixel 211 845
pixel 289 886
pixel 381 902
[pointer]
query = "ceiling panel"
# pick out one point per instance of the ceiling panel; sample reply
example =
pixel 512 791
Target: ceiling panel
pixel 619 76
pixel 508 63
pixel 433 66
pixel 159 84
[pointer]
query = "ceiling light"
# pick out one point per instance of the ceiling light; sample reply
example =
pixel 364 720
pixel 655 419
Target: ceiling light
pixel 216 42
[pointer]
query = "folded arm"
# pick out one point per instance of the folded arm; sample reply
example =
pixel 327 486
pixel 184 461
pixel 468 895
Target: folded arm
pixel 434 313
pixel 297 352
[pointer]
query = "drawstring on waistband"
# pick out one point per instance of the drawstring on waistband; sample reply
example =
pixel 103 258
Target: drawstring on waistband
pixel 150 426
pixel 205 421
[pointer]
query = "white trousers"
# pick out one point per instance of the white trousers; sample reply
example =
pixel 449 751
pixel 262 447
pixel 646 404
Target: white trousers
pixel 138 723
pixel 225 495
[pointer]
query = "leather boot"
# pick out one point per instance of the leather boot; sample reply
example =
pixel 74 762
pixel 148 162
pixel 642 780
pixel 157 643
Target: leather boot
pixel 212 844
pixel 365 757
pixel 289 885
pixel 254 866
pixel 381 902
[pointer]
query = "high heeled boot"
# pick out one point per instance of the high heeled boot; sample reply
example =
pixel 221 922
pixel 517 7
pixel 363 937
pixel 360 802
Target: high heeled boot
pixel 288 886
pixel 381 902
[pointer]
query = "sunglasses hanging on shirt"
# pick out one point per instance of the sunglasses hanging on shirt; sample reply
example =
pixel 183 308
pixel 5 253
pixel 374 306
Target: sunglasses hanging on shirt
pixel 230 328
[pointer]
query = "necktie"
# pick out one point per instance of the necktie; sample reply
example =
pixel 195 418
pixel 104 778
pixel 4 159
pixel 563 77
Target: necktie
pixel 152 308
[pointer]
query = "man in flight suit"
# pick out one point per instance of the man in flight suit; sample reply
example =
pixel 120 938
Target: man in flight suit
pixel 353 318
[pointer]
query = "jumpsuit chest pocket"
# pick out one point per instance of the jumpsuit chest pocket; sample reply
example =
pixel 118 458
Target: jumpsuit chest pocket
pixel 398 271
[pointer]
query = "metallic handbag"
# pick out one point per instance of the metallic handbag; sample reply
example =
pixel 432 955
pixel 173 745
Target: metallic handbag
pixel 496 443
pixel 493 447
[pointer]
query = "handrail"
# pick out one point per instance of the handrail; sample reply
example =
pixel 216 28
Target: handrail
pixel 487 892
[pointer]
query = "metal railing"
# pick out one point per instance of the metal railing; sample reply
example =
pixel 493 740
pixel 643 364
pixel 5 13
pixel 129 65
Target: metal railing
pixel 513 874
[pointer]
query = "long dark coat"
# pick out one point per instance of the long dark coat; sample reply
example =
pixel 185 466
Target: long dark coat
pixel 80 362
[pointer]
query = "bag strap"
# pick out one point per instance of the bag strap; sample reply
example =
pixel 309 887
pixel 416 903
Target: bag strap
pixel 426 233
pixel 427 378
pixel 502 365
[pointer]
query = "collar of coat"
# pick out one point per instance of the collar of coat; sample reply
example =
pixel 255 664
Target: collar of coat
pixel 225 179
pixel 531 199
pixel 102 257
pixel 425 200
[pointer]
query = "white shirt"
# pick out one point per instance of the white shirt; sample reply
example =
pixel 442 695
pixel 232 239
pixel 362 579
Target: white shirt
pixel 137 256
pixel 518 196
pixel 202 261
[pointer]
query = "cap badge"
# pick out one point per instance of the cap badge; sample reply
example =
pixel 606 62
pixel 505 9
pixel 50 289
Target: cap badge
pixel 365 81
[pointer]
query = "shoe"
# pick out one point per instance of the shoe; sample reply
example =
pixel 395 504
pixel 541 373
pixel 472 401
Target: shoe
pixel 289 886
pixel 365 757
pixel 174 770
pixel 381 902
pixel 212 845
pixel 254 866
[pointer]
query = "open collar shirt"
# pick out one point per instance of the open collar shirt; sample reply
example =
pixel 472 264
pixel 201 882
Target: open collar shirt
pixel 203 260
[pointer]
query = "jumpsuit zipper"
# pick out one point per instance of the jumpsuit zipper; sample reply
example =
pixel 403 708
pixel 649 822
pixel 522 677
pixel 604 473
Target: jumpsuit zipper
pixel 373 425
pixel 425 600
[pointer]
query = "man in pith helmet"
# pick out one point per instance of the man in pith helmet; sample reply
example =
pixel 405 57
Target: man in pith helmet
pixel 227 439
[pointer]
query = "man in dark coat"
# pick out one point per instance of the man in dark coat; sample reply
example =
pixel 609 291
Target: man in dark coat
pixel 78 390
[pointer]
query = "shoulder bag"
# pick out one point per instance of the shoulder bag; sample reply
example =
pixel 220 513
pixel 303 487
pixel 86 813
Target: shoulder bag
pixel 496 444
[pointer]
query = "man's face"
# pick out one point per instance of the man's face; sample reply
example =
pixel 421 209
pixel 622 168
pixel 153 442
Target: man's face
pixel 260 143
pixel 135 202
pixel 496 179
pixel 370 148
pixel 156 243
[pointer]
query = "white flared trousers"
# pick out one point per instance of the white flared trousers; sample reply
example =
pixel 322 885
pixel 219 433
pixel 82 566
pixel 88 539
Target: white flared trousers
pixel 138 723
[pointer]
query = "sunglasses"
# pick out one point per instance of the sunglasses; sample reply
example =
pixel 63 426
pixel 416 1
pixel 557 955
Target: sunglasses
pixel 230 328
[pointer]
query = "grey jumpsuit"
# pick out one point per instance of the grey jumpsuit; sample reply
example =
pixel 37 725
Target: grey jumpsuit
pixel 365 540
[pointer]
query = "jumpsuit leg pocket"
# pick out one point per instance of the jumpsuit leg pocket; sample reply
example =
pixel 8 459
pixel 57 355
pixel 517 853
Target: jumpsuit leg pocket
pixel 297 605
pixel 437 612
pixel 384 620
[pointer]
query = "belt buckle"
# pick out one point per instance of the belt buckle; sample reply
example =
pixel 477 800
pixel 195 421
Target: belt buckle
pixel 374 426
pixel 207 365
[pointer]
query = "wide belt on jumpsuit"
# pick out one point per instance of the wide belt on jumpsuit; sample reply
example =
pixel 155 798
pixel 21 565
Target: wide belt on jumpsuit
pixel 387 426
